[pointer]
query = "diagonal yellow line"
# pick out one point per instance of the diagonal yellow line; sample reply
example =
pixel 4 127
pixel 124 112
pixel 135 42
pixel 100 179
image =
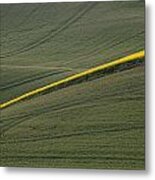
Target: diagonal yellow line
pixel 125 59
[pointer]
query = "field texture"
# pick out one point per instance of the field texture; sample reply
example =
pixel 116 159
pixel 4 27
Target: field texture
pixel 97 122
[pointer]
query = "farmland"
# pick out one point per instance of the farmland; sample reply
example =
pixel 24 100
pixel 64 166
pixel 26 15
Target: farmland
pixel 96 123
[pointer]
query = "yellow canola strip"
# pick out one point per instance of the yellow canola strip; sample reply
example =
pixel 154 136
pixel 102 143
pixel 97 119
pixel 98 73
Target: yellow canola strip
pixel 125 59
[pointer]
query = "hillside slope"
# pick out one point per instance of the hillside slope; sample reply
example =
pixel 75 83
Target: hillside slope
pixel 98 124
pixel 41 43
pixel 93 124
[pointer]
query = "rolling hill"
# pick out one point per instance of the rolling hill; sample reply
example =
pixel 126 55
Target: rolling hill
pixel 93 124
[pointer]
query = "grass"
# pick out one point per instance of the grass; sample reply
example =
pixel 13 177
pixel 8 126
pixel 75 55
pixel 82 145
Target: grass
pixel 96 124
pixel 107 31
pixel 130 60
pixel 92 124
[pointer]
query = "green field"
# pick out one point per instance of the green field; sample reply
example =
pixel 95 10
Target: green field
pixel 93 124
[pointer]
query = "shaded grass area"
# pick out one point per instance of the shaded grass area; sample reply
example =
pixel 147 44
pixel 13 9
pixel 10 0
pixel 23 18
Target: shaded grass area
pixel 96 124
